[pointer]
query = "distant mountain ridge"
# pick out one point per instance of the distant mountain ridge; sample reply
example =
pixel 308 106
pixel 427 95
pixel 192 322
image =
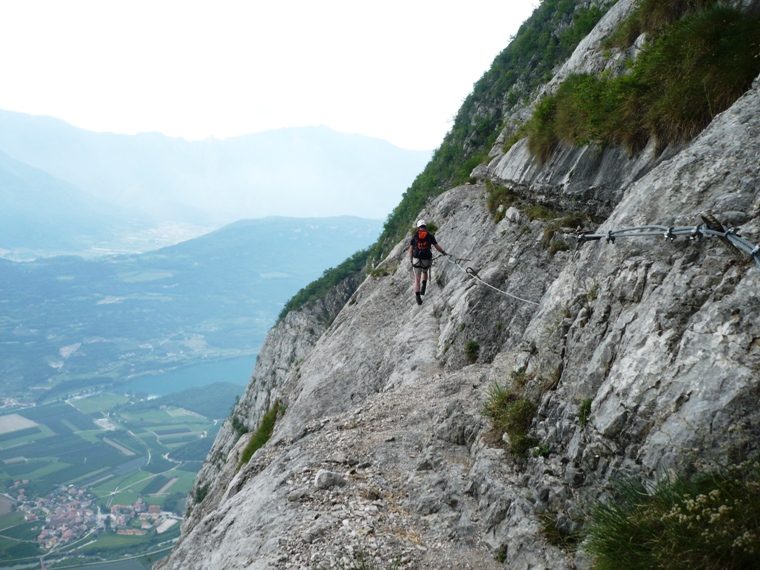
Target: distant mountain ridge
pixel 27 198
pixel 305 171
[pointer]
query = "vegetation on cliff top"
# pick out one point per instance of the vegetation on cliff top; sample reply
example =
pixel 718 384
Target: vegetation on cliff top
pixel 692 69
pixel 330 278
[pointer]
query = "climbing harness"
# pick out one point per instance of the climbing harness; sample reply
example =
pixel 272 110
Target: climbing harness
pixel 671 233
pixel 474 274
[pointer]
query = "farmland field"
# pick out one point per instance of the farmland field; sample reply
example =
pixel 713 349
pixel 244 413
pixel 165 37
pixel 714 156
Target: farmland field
pixel 125 459
pixel 15 422
pixel 95 404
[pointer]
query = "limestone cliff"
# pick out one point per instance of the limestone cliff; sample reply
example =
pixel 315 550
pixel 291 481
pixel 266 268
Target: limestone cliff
pixel 383 449
pixel 286 346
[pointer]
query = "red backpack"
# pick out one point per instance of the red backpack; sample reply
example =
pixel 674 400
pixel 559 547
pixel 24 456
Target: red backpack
pixel 421 248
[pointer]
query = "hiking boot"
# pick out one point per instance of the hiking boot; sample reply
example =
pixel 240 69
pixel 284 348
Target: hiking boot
pixel 419 299
pixel 424 286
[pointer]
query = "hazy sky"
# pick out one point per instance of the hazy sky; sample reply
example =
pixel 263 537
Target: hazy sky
pixel 396 69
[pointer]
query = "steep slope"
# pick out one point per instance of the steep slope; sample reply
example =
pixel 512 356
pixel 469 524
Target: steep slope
pixel 641 357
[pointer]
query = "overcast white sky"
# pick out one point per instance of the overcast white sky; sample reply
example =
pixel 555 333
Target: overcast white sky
pixel 396 69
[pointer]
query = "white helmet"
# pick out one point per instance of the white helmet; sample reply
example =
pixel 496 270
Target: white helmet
pixel 421 223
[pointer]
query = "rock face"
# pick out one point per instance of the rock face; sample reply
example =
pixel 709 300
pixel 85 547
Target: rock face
pixel 286 346
pixel 383 451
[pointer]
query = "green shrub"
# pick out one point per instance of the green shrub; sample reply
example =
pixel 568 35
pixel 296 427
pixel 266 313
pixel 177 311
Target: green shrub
pixel 512 139
pixel 573 221
pixel 501 555
pixel 238 425
pixel 497 196
pixel 558 245
pixel 472 350
pixel 518 416
pixel 512 415
pixel 559 537
pixel 520 443
pixel 696 68
pixel 497 400
pixel 542 131
pixel 432 227
pixel 657 15
pixel 262 434
pixel 547 236
pixel 592 293
pixel 498 199
pixel 654 17
pixel 626 33
pixel 520 377
pixel 200 493
pixel 710 521
pixel 584 411
pixel 538 212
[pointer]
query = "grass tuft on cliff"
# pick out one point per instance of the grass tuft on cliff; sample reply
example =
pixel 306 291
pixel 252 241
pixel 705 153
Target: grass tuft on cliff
pixel 653 17
pixel 711 521
pixel 262 434
pixel 512 414
pixel 697 67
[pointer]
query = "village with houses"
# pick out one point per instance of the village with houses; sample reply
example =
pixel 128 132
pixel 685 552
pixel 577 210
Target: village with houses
pixel 100 477
pixel 69 514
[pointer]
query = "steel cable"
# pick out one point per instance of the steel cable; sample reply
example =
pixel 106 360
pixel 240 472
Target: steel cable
pixel 474 274
pixel 731 235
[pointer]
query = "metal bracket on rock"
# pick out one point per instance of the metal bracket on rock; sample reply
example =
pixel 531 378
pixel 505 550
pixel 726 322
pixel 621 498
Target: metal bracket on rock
pixel 730 236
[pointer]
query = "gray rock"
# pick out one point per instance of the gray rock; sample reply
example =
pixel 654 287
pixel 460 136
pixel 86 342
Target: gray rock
pixel 326 479
pixel 298 494
pixel 513 215
pixel 337 458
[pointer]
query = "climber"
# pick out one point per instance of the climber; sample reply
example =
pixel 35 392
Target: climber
pixel 421 257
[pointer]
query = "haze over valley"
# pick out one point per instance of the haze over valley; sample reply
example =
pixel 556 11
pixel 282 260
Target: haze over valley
pixel 66 190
